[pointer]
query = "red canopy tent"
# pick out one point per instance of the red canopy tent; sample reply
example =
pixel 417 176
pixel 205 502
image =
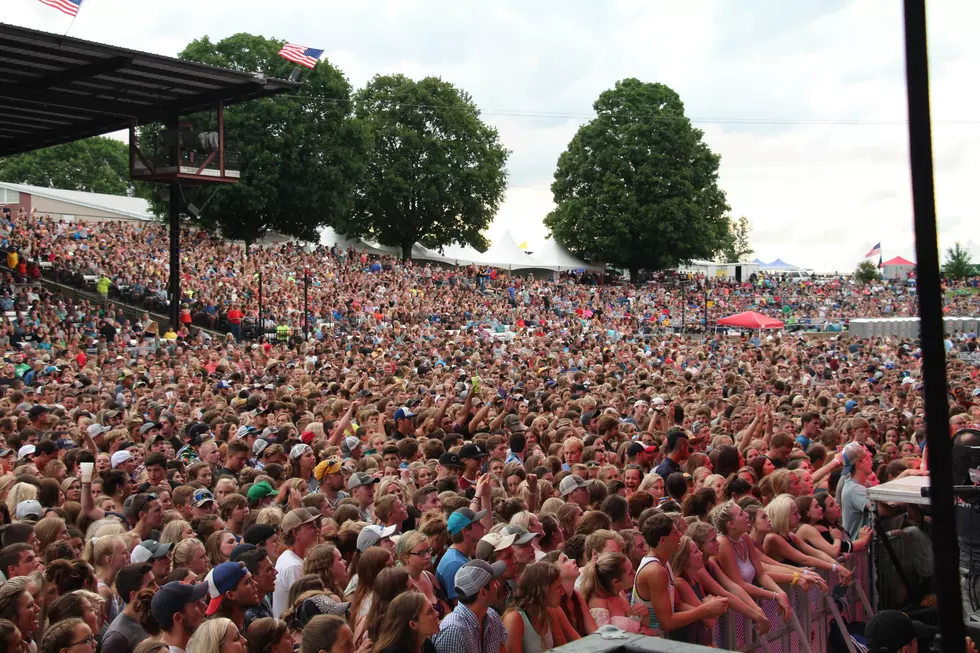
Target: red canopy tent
pixel 750 320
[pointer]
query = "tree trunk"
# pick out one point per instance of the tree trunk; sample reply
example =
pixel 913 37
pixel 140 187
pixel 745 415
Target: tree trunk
pixel 634 275
pixel 406 251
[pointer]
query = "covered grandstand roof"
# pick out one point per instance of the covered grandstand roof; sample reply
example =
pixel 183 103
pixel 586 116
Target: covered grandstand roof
pixel 133 207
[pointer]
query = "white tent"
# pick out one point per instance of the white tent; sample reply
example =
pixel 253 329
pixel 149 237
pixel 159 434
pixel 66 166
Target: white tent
pixel 329 238
pixel 453 255
pixel 552 252
pixel 504 253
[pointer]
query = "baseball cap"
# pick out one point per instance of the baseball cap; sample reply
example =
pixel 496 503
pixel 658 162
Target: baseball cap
pixel 513 423
pixel 307 436
pixel 403 413
pixel 493 542
pixel 201 497
pixel 371 535
pixel 324 467
pixel 296 518
pixel 28 509
pixel 571 483
pixel 259 447
pixel 298 450
pixel 462 518
pixel 149 426
pixel 849 405
pixel 348 445
pixel 98 429
pixel 472 451
pixel 261 490
pixel 257 534
pixel 26 450
pixel 240 549
pixel 120 457
pixel 890 630
pixel 637 448
pixel 317 605
pixel 475 575
pixel 449 459
pixel 147 550
pixel 521 534
pixel 5 452
pixel 243 431
pixel 357 479
pixel 224 578
pixel 173 597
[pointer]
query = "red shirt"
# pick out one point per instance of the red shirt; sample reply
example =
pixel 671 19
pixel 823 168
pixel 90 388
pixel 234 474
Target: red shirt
pixel 235 316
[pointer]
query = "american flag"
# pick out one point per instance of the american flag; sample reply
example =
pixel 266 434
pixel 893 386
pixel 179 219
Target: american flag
pixel 69 7
pixel 300 54
pixel 875 251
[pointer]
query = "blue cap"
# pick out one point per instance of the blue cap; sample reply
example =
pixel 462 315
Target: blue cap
pixel 850 405
pixel 224 578
pixel 403 413
pixel 462 518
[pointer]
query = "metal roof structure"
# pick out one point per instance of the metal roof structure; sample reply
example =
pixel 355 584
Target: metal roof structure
pixel 56 89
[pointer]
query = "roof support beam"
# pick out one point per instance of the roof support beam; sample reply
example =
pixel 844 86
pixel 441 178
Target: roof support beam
pixel 78 73
pixel 113 107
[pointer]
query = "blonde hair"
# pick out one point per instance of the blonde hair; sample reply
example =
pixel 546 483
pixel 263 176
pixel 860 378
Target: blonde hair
pixel 182 552
pixel 104 528
pixel 270 516
pixel 99 548
pixel 20 492
pixel 599 575
pixel 721 517
pixel 173 532
pixel 648 482
pixel 209 636
pixel 780 512
pixel 551 506
pixel 679 560
pixel 408 541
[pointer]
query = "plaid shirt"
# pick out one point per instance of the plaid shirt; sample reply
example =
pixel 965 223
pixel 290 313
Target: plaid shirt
pixel 459 632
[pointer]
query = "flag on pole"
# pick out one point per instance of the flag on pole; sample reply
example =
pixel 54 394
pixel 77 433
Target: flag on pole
pixel 69 7
pixel 880 264
pixel 874 250
pixel 300 54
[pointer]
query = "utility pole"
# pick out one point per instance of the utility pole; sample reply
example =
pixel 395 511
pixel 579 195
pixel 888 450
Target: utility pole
pixel 306 305
pixel 261 317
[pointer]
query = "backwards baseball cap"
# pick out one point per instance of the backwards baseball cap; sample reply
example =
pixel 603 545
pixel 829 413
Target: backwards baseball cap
pixel 317 605
pixel 95 430
pixel 120 457
pixel 462 518
pixel 357 479
pixel 147 550
pixel 29 509
pixel 571 483
pixel 348 445
pixel 450 459
pixel 404 413
pixel 513 423
pixel 371 535
pixel 259 447
pixel 224 578
pixel 261 490
pixel 521 534
pixel 637 448
pixel 25 451
pixel 298 450
pixel 470 450
pixel 324 467
pixel 475 575
pixel 890 630
pixel 173 598
pixel 258 534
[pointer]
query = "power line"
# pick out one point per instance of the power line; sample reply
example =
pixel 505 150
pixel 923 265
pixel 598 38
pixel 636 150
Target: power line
pixel 558 115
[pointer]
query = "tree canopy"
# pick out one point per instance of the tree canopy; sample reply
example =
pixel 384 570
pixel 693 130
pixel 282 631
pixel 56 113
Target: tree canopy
pixel 637 186
pixel 435 171
pixel 300 155
pixel 738 248
pixel 959 263
pixel 866 272
pixel 93 165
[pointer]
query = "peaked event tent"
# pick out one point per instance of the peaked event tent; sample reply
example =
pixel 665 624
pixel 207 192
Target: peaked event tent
pixel 505 253
pixel 552 251
pixel 779 264
pixel 750 320
pixel 897 268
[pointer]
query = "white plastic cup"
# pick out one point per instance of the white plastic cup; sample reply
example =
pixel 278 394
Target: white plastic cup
pixel 87 469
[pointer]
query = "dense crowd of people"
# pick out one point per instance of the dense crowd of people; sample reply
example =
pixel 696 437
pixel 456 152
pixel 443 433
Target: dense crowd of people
pixel 220 286
pixel 407 482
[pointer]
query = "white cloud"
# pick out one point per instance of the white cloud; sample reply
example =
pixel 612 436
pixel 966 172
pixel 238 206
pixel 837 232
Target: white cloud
pixel 816 188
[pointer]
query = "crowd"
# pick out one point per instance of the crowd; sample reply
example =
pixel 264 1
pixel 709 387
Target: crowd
pixel 404 482
pixel 220 286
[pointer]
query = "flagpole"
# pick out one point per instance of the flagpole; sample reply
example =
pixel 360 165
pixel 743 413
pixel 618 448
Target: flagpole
pixel 72 22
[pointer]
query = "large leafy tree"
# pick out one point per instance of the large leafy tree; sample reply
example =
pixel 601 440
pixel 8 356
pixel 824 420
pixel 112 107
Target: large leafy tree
pixel 435 173
pixel 958 263
pixel 738 248
pixel 637 186
pixel 300 153
pixel 866 272
pixel 94 165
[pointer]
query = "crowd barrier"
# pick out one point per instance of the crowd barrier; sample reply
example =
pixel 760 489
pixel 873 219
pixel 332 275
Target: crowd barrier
pixel 809 627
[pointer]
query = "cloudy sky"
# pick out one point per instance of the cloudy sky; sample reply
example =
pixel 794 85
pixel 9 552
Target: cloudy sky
pixel 805 102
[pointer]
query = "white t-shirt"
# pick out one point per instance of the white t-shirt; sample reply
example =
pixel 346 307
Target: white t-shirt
pixel 290 567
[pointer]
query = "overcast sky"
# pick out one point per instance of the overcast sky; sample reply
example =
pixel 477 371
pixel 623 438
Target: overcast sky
pixel 805 102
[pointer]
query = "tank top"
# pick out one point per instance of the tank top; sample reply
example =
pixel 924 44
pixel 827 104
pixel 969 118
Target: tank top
pixel 532 642
pixel 654 623
pixel 744 561
pixel 114 607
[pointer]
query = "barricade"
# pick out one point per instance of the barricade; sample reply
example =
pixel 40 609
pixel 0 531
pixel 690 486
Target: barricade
pixel 809 626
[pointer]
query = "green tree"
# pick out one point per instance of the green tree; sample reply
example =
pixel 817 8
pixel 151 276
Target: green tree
pixel 300 155
pixel 866 272
pixel 637 186
pixel 94 165
pixel 435 173
pixel 738 248
pixel 959 263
